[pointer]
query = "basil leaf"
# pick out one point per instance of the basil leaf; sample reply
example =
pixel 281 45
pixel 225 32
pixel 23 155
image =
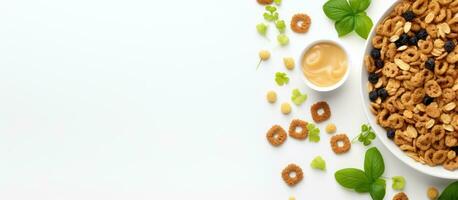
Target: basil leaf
pixel 345 26
pixel 337 9
pixel 353 178
pixel 377 190
pixel 450 192
pixel 359 5
pixel 363 25
pixel 373 164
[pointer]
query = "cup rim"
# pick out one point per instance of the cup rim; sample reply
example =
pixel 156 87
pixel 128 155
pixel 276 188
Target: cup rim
pixel 336 85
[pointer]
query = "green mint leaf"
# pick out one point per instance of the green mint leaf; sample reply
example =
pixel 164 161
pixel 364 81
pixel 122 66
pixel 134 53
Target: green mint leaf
pixel 364 127
pixel 281 78
pixel 310 126
pixel 275 16
pixel 281 26
pixel 318 163
pixel 373 164
pixel 371 135
pixel 278 2
pixel 282 39
pixel 359 5
pixel 367 142
pixel 262 29
pixel 337 9
pixel 345 25
pixel 352 178
pixel 377 190
pixel 363 25
pixel 297 97
pixel 399 182
pixel 314 136
pixel 450 192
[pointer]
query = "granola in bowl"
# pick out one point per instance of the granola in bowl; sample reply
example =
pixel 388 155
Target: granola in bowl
pixel 412 79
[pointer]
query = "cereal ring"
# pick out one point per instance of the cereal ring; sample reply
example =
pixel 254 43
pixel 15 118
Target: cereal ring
pixel 292 169
pixel 300 23
pixel 276 135
pixel 410 55
pixel 390 70
pixel 426 46
pixel 438 132
pixel 433 89
pixel 441 68
pixel 322 105
pixel 439 157
pixel 400 196
pixel 451 164
pixel 335 143
pixel 419 6
pixel 424 142
pixel 297 123
pixel 388 28
pixel 265 2
pixel 396 121
pixel 378 41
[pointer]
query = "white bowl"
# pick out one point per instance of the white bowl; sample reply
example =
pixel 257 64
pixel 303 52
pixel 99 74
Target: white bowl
pixel 332 87
pixel 437 171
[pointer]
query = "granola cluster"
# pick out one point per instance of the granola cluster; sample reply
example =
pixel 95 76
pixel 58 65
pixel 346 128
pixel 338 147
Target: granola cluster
pixel 413 79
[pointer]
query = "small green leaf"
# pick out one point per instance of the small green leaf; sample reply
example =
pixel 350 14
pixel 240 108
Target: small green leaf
pixel 297 97
pixel 278 2
pixel 282 39
pixel 450 192
pixel 281 26
pixel 337 9
pixel 262 29
pixel 310 126
pixel 281 78
pixel 377 190
pixel 268 17
pixel 314 132
pixel 363 25
pixel 364 127
pixel 352 178
pixel 345 25
pixel 399 182
pixel 359 5
pixel 318 163
pixel 373 164
pixel 270 8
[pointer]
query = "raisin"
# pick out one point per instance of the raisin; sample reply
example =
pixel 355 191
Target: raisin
pixel 428 100
pixel 373 95
pixel 408 15
pixel 449 46
pixel 375 53
pixel 422 34
pixel 430 64
pixel 382 93
pixel 413 40
pixel 379 63
pixel 373 78
pixel 390 133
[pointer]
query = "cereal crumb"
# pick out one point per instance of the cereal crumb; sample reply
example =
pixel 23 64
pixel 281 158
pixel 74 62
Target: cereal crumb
pixel 285 108
pixel 289 63
pixel 400 196
pixel 292 198
pixel 432 193
pixel 271 96
pixel 331 128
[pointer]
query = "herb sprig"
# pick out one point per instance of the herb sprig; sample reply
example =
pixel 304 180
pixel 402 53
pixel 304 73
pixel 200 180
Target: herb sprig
pixel 314 132
pixel 366 136
pixel 450 192
pixel 349 15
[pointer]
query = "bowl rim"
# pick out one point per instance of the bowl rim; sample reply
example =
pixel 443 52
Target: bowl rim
pixel 336 85
pixel 436 171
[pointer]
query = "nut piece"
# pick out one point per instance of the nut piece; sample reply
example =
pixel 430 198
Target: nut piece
pixel 264 55
pixel 331 128
pixel 400 196
pixel 429 18
pixel 285 108
pixel 401 64
pixel 407 27
pixel 271 96
pixel 432 193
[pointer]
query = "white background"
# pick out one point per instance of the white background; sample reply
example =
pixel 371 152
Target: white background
pixel 146 99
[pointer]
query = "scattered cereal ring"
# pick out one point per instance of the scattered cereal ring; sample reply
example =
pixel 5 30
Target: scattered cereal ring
pixel 322 105
pixel 335 143
pixel 302 134
pixel 292 180
pixel 265 2
pixel 331 128
pixel 300 23
pixel 276 135
pixel 400 196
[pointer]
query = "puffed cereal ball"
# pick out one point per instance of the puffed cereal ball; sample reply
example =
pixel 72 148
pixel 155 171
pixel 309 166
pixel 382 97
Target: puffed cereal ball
pixel 264 55
pixel 285 108
pixel 271 96
pixel 289 63
pixel 331 128
pixel 432 193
